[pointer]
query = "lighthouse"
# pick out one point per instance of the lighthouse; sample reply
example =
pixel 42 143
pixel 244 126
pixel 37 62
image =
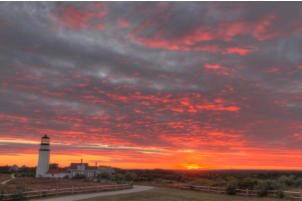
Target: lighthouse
pixel 43 164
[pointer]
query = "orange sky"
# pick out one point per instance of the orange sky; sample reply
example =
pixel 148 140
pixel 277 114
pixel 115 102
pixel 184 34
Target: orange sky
pixel 151 157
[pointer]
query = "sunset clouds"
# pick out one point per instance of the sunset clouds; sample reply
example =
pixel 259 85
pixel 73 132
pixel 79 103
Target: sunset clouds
pixel 153 84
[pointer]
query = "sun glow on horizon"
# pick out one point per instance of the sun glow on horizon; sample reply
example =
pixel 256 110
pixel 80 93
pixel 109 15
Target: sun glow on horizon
pixel 191 166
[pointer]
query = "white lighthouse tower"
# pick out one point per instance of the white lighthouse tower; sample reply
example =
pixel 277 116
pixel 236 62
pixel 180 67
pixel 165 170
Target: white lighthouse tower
pixel 43 164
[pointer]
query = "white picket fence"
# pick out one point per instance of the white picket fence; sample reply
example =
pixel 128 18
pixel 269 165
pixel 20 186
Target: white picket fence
pixel 244 192
pixel 71 190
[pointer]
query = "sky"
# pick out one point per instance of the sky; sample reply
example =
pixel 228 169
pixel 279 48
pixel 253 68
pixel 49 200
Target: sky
pixel 172 85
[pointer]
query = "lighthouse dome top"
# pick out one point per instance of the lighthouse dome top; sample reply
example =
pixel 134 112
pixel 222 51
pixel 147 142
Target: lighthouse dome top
pixel 45 140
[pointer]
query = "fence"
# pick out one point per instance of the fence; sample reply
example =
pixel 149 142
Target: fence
pixel 60 191
pixel 245 192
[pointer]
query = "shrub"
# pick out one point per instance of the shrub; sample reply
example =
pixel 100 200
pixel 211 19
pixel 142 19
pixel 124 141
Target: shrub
pixel 287 180
pixel 1 195
pixel 298 181
pixel 5 169
pixel 105 176
pixel 264 186
pixel 142 178
pixel 18 194
pixel 79 176
pixel 26 172
pixel 66 177
pixel 247 183
pixel 208 182
pixel 231 188
pixel 280 194
pixel 130 176
pixel 261 191
pixel 163 181
pixel 44 194
pixel 119 178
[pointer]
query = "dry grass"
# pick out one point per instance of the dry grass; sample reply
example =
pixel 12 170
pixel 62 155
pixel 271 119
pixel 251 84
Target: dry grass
pixel 169 194
pixel 31 183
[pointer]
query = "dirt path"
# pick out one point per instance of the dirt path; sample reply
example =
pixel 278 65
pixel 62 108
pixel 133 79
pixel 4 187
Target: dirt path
pixel 100 194
pixel 12 176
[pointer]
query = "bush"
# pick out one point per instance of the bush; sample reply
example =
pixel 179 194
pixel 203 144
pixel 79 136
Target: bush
pixel 261 191
pixel 18 194
pixel 143 178
pixel 163 181
pixel 264 186
pixel 44 194
pixel 231 188
pixel 208 182
pixel 26 172
pixel 280 194
pixel 66 177
pixel 5 169
pixel 287 180
pixel 105 176
pixel 79 176
pixel 119 178
pixel 1 195
pixel 247 183
pixel 130 176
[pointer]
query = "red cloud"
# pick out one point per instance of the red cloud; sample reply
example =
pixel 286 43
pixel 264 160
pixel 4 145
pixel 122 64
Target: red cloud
pixel 221 134
pixel 272 70
pixel 218 108
pixel 240 50
pixel 79 19
pixel 122 23
pixel 175 45
pixel 187 44
pixel 209 66
pixel 260 31
pixel 74 19
pixel 298 136
pixel 150 42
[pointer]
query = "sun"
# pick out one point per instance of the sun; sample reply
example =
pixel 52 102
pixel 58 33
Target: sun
pixel 191 166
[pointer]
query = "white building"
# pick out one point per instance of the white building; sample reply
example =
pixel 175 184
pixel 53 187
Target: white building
pixel 82 169
pixel 43 164
pixel 88 171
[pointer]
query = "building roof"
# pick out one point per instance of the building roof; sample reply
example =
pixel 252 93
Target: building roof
pixel 45 137
pixel 91 168
pixel 75 165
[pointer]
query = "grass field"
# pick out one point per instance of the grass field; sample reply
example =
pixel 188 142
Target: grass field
pixel 168 194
